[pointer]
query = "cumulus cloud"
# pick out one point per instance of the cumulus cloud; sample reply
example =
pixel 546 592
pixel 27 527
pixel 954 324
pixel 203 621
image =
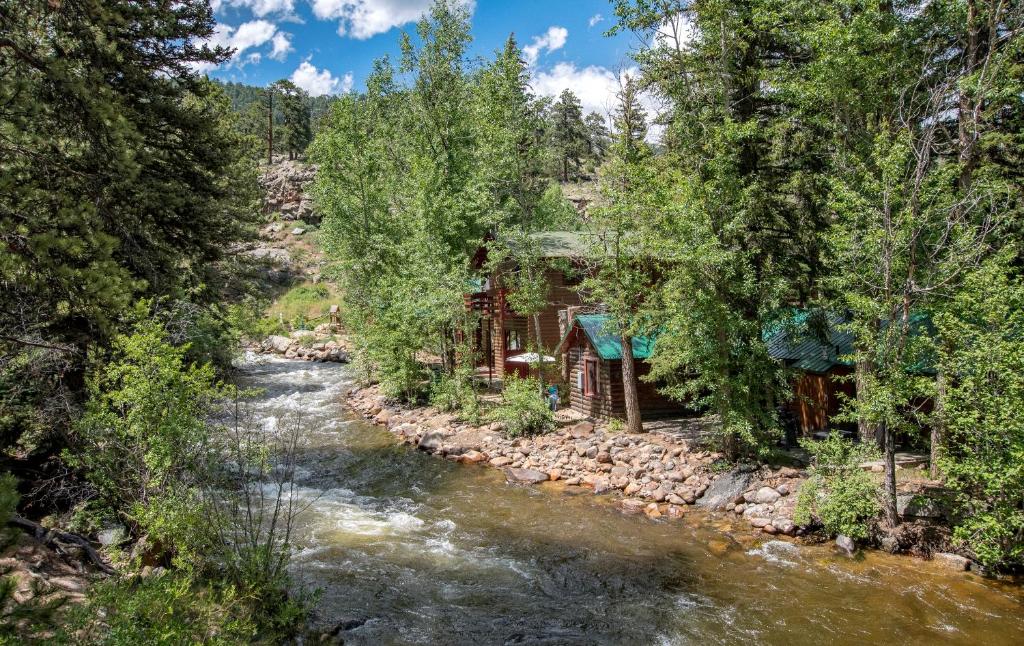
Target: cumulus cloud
pixel 320 82
pixel 551 40
pixel 596 18
pixel 595 86
pixel 248 35
pixel 281 45
pixel 362 19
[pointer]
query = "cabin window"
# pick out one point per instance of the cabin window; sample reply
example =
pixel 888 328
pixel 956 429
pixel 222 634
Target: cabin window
pixel 513 340
pixel 591 383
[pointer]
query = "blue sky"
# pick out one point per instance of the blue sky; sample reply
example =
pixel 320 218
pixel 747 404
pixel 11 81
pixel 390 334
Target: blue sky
pixel 328 46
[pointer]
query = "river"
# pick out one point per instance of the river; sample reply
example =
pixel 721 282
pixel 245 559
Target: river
pixel 410 549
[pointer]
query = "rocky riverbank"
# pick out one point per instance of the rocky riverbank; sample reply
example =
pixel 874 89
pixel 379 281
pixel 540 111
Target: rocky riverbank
pixel 653 473
pixel 320 344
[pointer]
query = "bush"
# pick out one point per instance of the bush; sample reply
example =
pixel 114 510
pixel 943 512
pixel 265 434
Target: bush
pixel 456 393
pixel 143 435
pixel 838 492
pixel 174 608
pixel 984 444
pixel 522 409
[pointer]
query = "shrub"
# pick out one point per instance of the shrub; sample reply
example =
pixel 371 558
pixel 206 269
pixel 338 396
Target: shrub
pixel 838 492
pixel 174 608
pixel 522 409
pixel 143 434
pixel 456 393
pixel 984 444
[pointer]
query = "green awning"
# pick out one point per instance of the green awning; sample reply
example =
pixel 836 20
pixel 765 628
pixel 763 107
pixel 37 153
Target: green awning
pixel 598 328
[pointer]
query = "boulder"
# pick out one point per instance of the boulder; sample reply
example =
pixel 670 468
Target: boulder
pixel 952 561
pixel 917 506
pixel 724 489
pixel 633 506
pixel 766 496
pixel 279 343
pixel 581 429
pixel 431 441
pixel 785 526
pixel 501 461
pixel 472 457
pixel 526 476
pixel 846 545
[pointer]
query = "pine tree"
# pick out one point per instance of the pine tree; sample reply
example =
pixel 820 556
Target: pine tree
pixel 568 135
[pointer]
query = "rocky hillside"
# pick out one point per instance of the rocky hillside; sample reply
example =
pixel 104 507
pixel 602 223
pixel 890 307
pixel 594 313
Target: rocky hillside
pixel 285 184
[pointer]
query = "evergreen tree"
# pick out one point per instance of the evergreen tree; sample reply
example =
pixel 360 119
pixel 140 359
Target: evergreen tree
pixel 744 234
pixel 598 138
pixel 568 135
pixel 120 172
pixel 295 117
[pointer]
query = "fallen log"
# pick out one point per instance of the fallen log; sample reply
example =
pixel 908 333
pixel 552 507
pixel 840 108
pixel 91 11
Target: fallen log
pixel 54 537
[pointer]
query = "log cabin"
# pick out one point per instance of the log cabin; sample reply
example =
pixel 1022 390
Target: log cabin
pixel 593 360
pixel 824 370
pixel 502 334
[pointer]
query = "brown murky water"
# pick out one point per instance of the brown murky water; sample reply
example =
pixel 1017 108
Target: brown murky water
pixel 410 549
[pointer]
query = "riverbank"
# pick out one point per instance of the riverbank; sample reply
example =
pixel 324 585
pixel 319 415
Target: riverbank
pixel 654 473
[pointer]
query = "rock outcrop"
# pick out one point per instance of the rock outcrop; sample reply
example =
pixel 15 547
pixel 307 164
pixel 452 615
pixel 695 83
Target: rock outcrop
pixel 285 186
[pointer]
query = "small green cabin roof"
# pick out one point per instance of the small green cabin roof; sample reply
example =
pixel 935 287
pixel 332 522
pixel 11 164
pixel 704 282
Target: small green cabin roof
pixel 608 344
pixel 791 341
pixel 794 340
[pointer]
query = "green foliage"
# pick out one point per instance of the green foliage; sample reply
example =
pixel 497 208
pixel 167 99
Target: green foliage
pixel 838 492
pixel 143 435
pixel 304 304
pixel 457 393
pixel 9 499
pixel 982 349
pixel 174 608
pixel 522 410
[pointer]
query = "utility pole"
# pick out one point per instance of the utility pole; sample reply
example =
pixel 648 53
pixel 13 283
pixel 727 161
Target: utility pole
pixel 270 125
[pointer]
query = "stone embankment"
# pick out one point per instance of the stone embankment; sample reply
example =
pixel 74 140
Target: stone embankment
pixel 653 473
pixel 320 344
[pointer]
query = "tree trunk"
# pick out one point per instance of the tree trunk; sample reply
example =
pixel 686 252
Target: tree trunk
pixel 866 431
pixel 633 424
pixel 938 425
pixel 892 519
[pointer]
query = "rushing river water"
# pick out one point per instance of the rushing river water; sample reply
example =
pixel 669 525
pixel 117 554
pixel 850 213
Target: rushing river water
pixel 410 549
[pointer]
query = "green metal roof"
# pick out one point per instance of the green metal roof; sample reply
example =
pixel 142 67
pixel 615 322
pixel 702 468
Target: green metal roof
pixel 608 344
pixel 561 244
pixel 794 342
pixel 813 342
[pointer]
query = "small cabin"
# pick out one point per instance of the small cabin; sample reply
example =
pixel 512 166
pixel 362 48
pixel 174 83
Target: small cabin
pixel 825 374
pixel 592 355
pixel 502 335
pixel 820 349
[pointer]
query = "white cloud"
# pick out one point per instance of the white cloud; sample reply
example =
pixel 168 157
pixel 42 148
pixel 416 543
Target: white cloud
pixel 362 19
pixel 259 8
pixel 248 35
pixel 551 40
pixel 596 88
pixel 320 82
pixel 596 18
pixel 254 58
pixel 594 85
pixel 282 44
